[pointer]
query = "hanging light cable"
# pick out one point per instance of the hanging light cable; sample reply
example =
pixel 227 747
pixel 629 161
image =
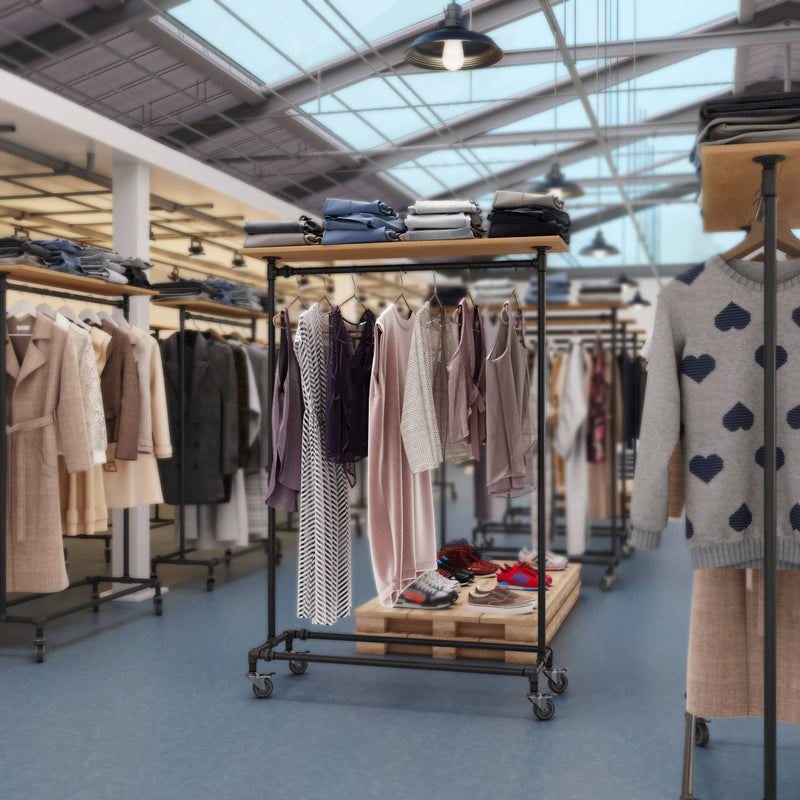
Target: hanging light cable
pixel 452 46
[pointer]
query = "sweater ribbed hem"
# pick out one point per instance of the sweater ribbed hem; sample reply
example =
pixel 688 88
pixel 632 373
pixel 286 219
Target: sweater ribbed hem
pixel 747 282
pixel 645 540
pixel 746 553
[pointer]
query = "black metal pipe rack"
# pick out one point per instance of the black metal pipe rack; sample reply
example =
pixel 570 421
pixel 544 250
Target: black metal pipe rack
pixel 180 557
pixel 542 659
pixel 132 584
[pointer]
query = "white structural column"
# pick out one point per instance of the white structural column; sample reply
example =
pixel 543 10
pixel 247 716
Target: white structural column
pixel 131 233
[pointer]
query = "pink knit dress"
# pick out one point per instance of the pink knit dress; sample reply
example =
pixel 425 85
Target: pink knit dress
pixel 402 530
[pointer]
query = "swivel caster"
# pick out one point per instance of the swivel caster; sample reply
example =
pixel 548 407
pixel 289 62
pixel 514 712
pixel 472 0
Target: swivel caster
pixel 210 581
pixel 158 602
pixel 702 735
pixel 546 712
pixel 95 597
pixel 298 667
pixel 606 582
pixel 228 554
pixel 264 689
pixel 557 682
pixel 627 550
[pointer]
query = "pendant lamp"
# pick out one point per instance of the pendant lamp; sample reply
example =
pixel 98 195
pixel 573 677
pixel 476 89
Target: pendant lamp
pixel 238 262
pixel 557 183
pixel 453 46
pixel 196 249
pixel 626 282
pixel 637 301
pixel 599 248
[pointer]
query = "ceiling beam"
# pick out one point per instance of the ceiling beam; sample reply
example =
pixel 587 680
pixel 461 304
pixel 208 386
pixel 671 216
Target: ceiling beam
pixel 57 39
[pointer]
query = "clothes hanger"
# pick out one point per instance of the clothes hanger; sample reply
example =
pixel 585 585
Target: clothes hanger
pixel 87 315
pixel 70 314
pixel 118 317
pixel 46 309
pixel 402 295
pixel 517 310
pixel 325 298
pixel 21 307
pixel 787 242
pixel 276 319
pixel 468 297
pixel 104 315
pixel 435 296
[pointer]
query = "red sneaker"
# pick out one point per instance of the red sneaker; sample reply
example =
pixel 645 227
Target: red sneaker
pixel 531 570
pixel 516 578
pixel 469 558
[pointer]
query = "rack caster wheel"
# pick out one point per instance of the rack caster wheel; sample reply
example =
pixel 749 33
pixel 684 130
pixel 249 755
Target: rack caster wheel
pixel 298 667
pixel 158 603
pixel 263 691
pixel 557 682
pixel 627 550
pixel 606 582
pixel 702 735
pixel 39 651
pixel 543 714
pixel 210 581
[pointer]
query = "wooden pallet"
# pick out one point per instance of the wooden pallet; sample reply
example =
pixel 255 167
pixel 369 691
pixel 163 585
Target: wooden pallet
pixel 461 623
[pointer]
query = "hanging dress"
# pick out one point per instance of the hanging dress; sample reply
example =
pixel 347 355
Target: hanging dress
pixel 324 585
pixel 402 530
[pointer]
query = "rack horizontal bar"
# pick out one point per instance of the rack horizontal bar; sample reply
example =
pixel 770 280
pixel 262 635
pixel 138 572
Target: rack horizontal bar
pixel 220 320
pixel 79 298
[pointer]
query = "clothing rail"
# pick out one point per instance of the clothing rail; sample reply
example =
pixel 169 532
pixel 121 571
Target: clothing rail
pixel 541 655
pixel 119 295
pixel 241 318
pixel 616 529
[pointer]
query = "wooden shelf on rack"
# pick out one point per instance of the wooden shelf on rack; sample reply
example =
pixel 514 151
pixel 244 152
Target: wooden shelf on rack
pixel 214 309
pixel 732 180
pixel 40 276
pixel 155 326
pixel 571 322
pixel 437 248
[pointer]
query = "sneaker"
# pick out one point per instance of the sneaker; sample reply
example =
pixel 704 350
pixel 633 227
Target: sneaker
pixel 531 570
pixel 422 595
pixel 517 577
pixel 498 601
pixel 552 561
pixel 449 570
pixel 469 558
pixel 482 591
pixel 439 581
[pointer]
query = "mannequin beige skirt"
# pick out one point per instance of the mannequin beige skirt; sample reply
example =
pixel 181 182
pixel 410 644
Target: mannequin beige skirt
pixel 726 644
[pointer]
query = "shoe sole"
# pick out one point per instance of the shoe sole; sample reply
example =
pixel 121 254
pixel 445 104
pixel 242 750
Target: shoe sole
pixel 517 586
pixel 526 609
pixel 424 606
pixel 546 569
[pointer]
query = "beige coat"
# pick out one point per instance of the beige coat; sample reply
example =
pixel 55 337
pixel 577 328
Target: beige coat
pixel 43 397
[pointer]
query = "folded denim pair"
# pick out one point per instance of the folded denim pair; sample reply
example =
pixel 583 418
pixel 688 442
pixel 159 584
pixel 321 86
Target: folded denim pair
pixel 61 245
pixel 444 207
pixel 363 221
pixel 336 207
pixel 506 199
pixel 367 235
pixel 302 225
pixel 280 239
pixel 434 235
pixel 442 221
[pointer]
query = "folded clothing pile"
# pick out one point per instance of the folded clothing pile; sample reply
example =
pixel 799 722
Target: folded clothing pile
pixel 600 292
pixel 182 289
pixel 102 264
pixel 282 233
pixel 748 118
pixel 556 287
pixel 354 221
pixel 443 219
pixel 18 250
pixel 136 272
pixel 527 214
pixel 492 291
pixel 247 297
pixel 63 256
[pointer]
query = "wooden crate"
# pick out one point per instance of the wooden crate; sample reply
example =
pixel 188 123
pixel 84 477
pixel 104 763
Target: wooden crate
pixel 460 622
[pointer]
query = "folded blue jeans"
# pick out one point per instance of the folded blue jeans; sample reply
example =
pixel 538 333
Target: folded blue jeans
pixel 335 207
pixel 356 237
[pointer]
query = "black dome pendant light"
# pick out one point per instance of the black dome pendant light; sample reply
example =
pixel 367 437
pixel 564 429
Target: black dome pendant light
pixel 558 184
pixel 453 46
pixel 599 248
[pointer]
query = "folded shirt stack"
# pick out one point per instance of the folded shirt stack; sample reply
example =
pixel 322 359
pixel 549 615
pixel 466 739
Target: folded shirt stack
pixel 748 118
pixel 102 264
pixel 600 292
pixel 528 214
pixel 355 221
pixel 492 291
pixel 247 297
pixel 557 289
pixel 19 250
pixel 282 233
pixel 136 272
pixel 182 289
pixel 443 219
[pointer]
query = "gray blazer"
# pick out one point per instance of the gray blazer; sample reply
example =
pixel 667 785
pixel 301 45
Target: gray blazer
pixel 211 420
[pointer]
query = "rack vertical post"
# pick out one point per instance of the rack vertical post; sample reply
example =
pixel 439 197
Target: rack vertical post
pixel 3 465
pixel 272 273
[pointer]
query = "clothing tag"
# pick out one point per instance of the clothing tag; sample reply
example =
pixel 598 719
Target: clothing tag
pixel 110 466
pixel 23 327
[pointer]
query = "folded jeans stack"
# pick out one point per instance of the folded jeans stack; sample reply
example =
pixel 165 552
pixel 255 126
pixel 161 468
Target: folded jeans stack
pixel 557 289
pixel 246 297
pixel 527 214
pixel 102 264
pixel 19 250
pixel 600 292
pixel 64 256
pixel 282 233
pixel 492 291
pixel 748 118
pixel 182 289
pixel 443 219
pixel 355 221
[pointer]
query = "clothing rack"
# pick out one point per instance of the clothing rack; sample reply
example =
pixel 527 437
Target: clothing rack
pixel 728 172
pixel 464 252
pixel 87 290
pixel 614 328
pixel 222 315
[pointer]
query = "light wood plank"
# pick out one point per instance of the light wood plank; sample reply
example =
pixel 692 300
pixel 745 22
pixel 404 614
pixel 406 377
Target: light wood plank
pixel 213 309
pixel 73 283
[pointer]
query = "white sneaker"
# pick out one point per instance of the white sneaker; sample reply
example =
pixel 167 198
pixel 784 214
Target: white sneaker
pixel 552 561
pixel 440 581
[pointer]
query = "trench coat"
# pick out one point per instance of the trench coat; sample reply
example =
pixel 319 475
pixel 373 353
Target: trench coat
pixel 211 420
pixel 43 397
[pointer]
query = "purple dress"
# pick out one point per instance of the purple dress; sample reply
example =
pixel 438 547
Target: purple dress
pixel 347 390
pixel 287 425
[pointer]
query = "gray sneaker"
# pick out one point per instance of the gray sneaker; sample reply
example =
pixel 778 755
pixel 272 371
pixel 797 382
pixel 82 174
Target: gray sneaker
pixel 500 601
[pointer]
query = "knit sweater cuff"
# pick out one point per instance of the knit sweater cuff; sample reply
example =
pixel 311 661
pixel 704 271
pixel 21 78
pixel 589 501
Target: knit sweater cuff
pixel 645 540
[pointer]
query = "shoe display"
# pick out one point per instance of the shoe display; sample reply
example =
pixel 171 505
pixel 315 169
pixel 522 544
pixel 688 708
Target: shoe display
pixel 468 557
pixel 422 594
pixel 498 601
pixel 520 576
pixel 552 561
pixel 482 591
pixel 450 570
pixel 439 581
pixel 531 570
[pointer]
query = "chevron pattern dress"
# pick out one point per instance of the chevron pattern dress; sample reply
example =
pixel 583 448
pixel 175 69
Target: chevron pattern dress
pixel 324 585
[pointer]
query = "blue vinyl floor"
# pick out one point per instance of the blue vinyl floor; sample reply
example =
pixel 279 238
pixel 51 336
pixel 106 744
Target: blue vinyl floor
pixel 131 706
